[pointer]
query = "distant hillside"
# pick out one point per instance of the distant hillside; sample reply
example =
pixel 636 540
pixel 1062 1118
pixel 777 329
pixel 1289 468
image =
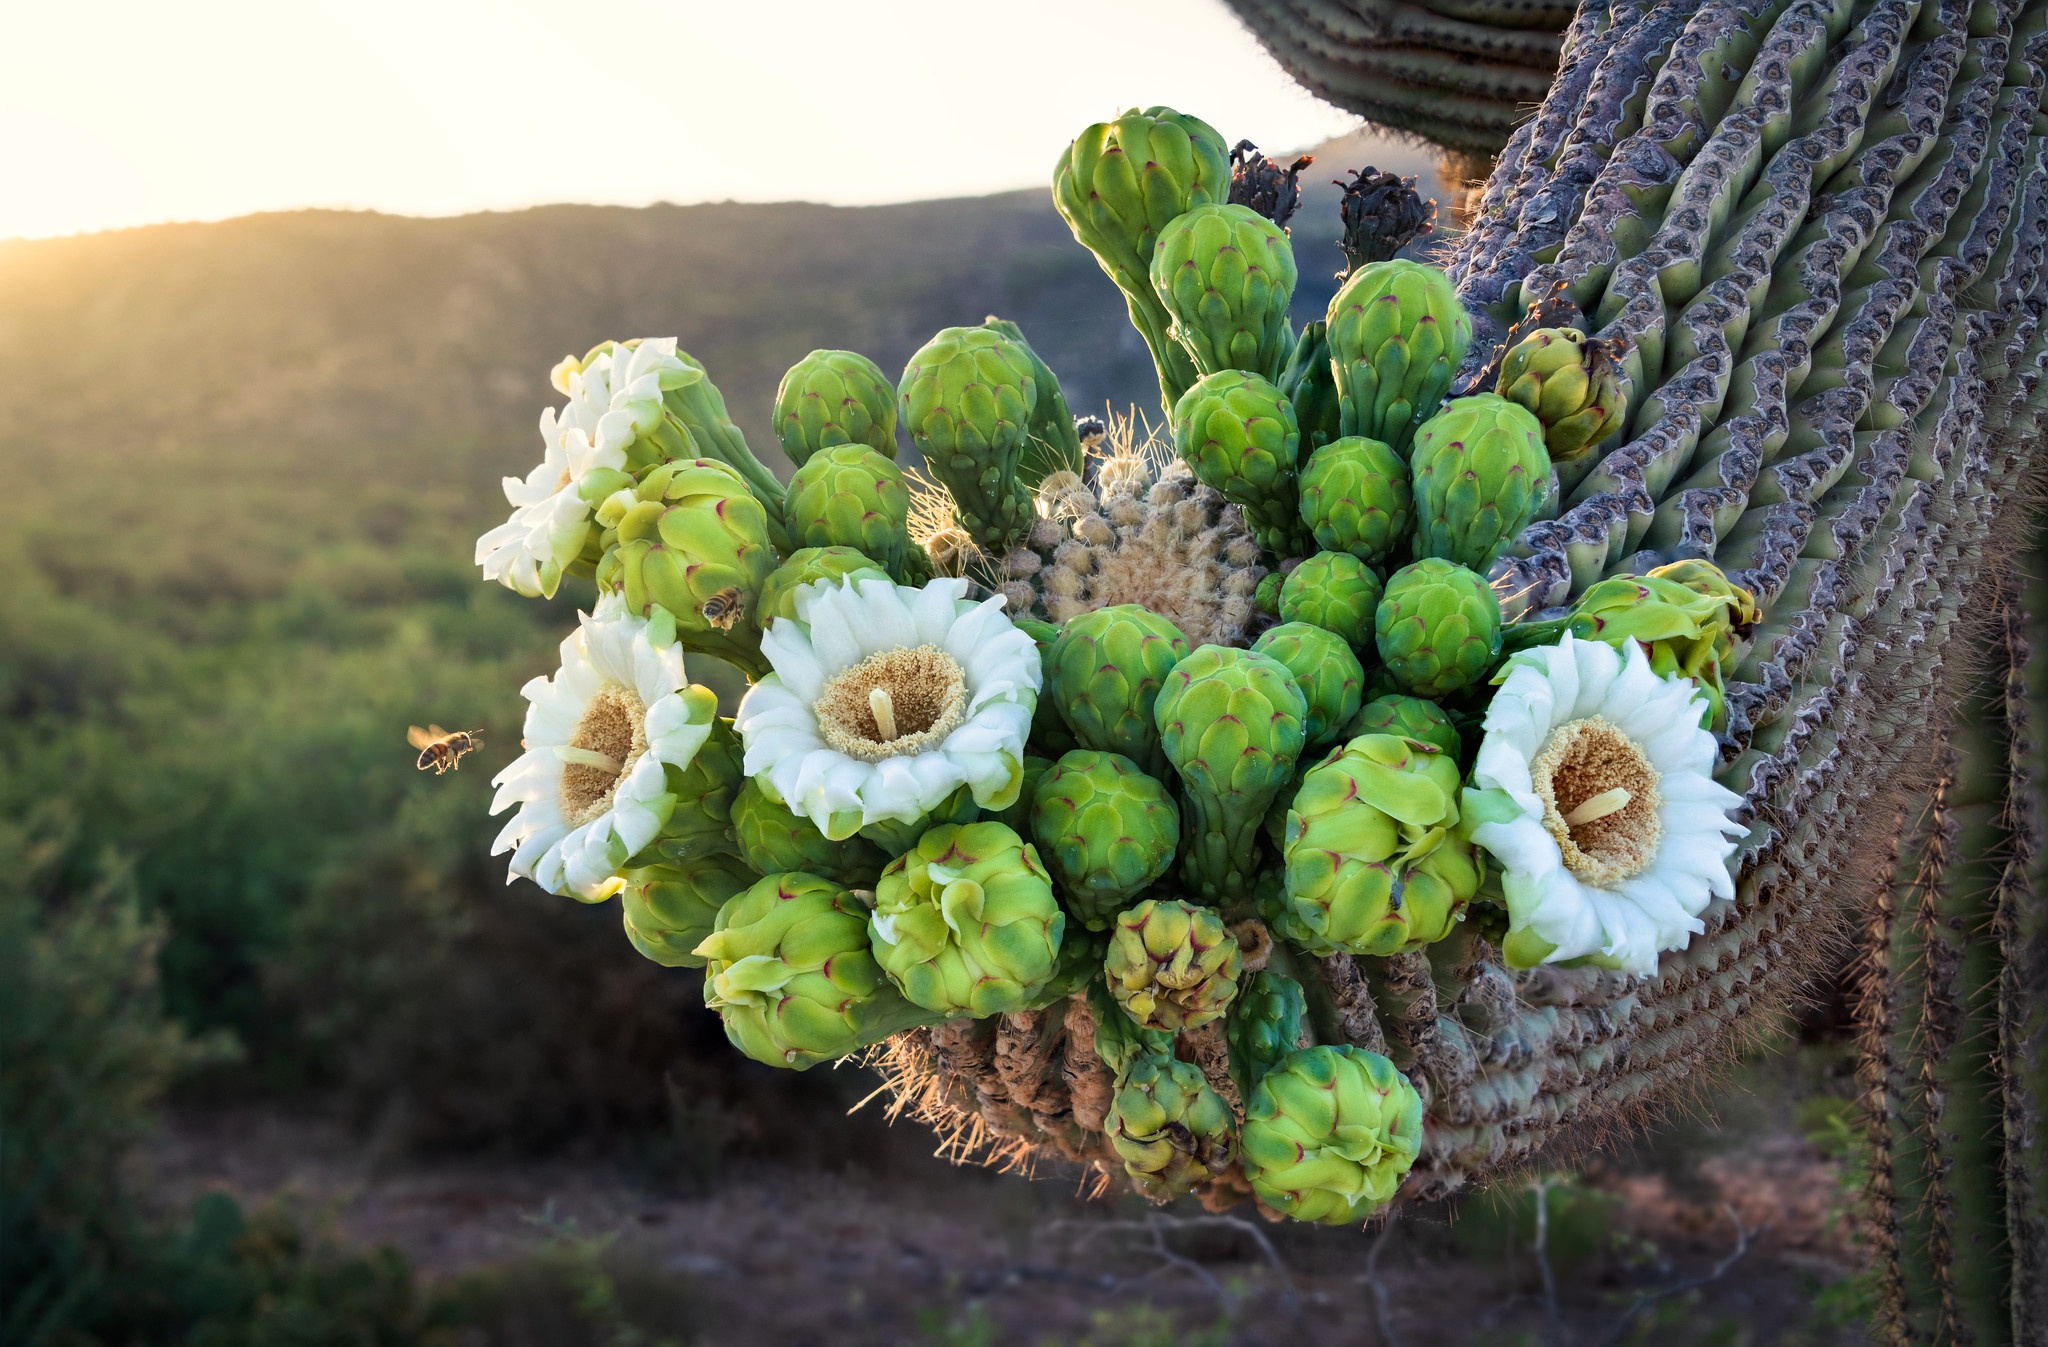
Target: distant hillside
pixel 342 349
pixel 338 351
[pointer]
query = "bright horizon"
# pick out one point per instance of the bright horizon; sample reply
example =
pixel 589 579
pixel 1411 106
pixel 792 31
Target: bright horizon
pixel 125 113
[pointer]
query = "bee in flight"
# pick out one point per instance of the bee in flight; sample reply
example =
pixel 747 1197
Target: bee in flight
pixel 441 749
pixel 722 609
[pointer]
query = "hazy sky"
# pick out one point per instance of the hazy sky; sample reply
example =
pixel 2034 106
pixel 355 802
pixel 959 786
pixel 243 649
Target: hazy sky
pixel 121 112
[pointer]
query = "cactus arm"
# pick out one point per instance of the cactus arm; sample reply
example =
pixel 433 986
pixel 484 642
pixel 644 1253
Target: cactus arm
pixel 1346 38
pixel 1876 1011
pixel 1456 121
pixel 2020 927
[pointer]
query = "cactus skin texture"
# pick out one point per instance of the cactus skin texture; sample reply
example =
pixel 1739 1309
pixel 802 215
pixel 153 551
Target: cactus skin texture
pixel 1952 1023
pixel 1117 186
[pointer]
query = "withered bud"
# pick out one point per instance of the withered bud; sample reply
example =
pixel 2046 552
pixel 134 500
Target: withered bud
pixel 1382 214
pixel 1089 430
pixel 1269 189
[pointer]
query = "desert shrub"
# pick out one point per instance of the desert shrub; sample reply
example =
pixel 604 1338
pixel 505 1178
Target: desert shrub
pixel 85 1051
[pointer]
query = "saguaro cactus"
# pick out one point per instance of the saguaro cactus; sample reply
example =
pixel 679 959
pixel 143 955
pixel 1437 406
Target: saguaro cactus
pixel 1952 1019
pixel 1458 73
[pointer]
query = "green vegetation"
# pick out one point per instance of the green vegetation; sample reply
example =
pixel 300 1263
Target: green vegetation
pixel 235 505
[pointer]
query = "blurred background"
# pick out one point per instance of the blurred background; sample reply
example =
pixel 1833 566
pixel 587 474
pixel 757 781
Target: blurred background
pixel 282 1058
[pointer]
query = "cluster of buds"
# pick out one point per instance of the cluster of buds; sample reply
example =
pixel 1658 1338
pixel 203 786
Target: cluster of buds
pixel 1103 743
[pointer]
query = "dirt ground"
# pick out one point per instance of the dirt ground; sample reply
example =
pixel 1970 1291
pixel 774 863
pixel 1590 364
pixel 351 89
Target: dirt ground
pixel 925 1253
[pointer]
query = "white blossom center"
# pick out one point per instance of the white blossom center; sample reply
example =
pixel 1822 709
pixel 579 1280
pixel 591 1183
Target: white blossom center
pixel 895 703
pixel 608 740
pixel 1600 800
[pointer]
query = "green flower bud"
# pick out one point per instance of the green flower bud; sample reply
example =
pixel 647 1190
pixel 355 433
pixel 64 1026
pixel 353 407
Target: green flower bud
pixel 1355 498
pixel 1266 598
pixel 1397 336
pixel 789 972
pixel 851 496
pixel 1171 1130
pixel 1120 1040
pixel 1311 388
pixel 1049 732
pixel 1480 471
pixel 1078 967
pixel 1687 618
pixel 773 840
pixel 669 909
pixel 1117 186
pixel 1438 628
pixel 1408 718
pixel 1238 432
pixel 1106 831
pixel 1329 676
pixel 1104 676
pixel 1375 864
pixel 693 541
pixel 698 408
pixel 967 399
pixel 805 566
pixel 965 922
pixel 1335 591
pixel 1231 722
pixel 1051 443
pixel 1573 384
pixel 1172 965
pixel 1330 1133
pixel 1265 1024
pixel 1226 273
pixel 831 398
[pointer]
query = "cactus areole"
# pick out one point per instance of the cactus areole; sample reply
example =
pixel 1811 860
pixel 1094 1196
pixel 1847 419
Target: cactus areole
pixel 1388 769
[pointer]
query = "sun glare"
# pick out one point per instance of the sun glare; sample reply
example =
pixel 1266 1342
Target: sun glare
pixel 128 113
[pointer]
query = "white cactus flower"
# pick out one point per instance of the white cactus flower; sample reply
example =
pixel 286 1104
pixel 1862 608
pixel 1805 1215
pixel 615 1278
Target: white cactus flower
pixel 886 699
pixel 601 735
pixel 1594 791
pixel 613 401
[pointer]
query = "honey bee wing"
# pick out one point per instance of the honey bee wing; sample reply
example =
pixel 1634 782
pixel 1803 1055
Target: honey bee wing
pixel 420 738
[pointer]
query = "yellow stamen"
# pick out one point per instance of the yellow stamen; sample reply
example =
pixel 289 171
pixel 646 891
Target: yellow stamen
pixel 896 703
